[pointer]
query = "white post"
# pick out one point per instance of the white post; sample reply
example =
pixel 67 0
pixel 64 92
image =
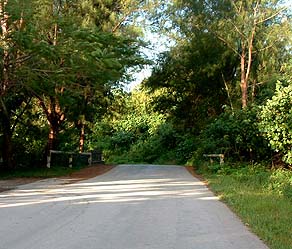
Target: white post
pixel 90 159
pixel 70 160
pixel 221 159
pixel 49 160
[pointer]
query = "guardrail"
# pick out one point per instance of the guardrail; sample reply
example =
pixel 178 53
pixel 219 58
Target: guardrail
pixel 211 156
pixel 71 154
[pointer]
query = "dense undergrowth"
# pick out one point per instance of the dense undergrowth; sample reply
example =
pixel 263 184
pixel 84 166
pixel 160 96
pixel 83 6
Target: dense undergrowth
pixel 157 140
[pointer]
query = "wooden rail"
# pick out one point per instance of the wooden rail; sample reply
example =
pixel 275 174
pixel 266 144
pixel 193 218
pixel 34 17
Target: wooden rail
pixel 220 156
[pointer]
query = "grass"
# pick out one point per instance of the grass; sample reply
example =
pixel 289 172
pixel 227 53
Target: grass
pixel 252 193
pixel 56 169
pixel 37 172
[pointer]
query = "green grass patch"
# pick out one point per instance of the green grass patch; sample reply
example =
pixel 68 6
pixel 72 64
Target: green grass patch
pixel 59 167
pixel 261 198
pixel 37 172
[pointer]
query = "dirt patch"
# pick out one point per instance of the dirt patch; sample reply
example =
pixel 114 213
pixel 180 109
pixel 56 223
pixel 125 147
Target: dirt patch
pixel 193 172
pixel 87 173
pixel 80 175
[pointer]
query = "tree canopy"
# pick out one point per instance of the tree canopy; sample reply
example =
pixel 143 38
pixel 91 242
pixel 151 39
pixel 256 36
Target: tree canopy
pixel 64 65
pixel 62 55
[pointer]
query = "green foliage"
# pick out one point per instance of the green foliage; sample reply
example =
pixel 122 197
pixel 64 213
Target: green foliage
pixel 162 146
pixel 236 135
pixel 190 78
pixel 69 58
pixel 155 146
pixel 281 182
pixel 276 181
pixel 29 147
pixel 122 140
pixel 138 134
pixel 148 148
pixel 240 26
pixel 134 128
pixel 186 145
pixel 68 139
pixel 66 57
pixel 276 121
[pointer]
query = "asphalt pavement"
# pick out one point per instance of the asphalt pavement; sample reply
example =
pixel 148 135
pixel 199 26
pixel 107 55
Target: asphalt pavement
pixel 130 207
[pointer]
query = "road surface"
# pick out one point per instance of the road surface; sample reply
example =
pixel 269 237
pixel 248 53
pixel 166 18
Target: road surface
pixel 130 207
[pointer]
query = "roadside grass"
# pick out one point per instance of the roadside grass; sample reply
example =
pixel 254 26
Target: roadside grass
pixel 261 198
pixel 37 172
pixel 59 167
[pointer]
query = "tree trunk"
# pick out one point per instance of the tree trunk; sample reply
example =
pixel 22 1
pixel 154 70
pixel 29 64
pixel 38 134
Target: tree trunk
pixel 81 138
pixel 246 64
pixel 7 151
pixel 5 59
pixel 243 80
pixel 253 93
pixel 243 93
pixel 52 138
pixel 55 118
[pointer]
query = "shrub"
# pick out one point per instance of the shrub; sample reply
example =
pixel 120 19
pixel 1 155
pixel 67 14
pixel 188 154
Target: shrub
pixel 281 182
pixel 29 147
pixel 157 147
pixel 236 135
pixel 122 140
pixel 185 148
pixel 276 121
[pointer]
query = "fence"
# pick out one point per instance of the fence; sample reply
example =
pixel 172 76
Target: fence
pixel 68 158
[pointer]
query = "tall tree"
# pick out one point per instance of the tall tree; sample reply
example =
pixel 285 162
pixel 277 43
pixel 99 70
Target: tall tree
pixel 192 77
pixel 116 18
pixel 15 54
pixel 50 53
pixel 248 28
pixel 83 55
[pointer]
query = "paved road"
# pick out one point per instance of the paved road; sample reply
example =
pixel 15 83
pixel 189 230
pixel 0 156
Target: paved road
pixel 131 207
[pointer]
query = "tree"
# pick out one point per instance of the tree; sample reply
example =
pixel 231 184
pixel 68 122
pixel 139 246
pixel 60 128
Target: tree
pixel 51 54
pixel 276 120
pixel 80 58
pixel 116 18
pixel 250 29
pixel 193 76
pixel 15 53
pixel 128 125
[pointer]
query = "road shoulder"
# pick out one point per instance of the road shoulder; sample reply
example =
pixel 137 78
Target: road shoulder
pixel 83 174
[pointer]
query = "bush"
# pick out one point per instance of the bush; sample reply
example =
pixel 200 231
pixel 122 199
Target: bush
pixel 29 147
pixel 276 121
pixel 122 140
pixel 185 148
pixel 236 135
pixel 281 182
pixel 157 147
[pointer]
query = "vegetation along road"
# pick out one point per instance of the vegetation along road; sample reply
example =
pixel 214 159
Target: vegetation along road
pixel 130 207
